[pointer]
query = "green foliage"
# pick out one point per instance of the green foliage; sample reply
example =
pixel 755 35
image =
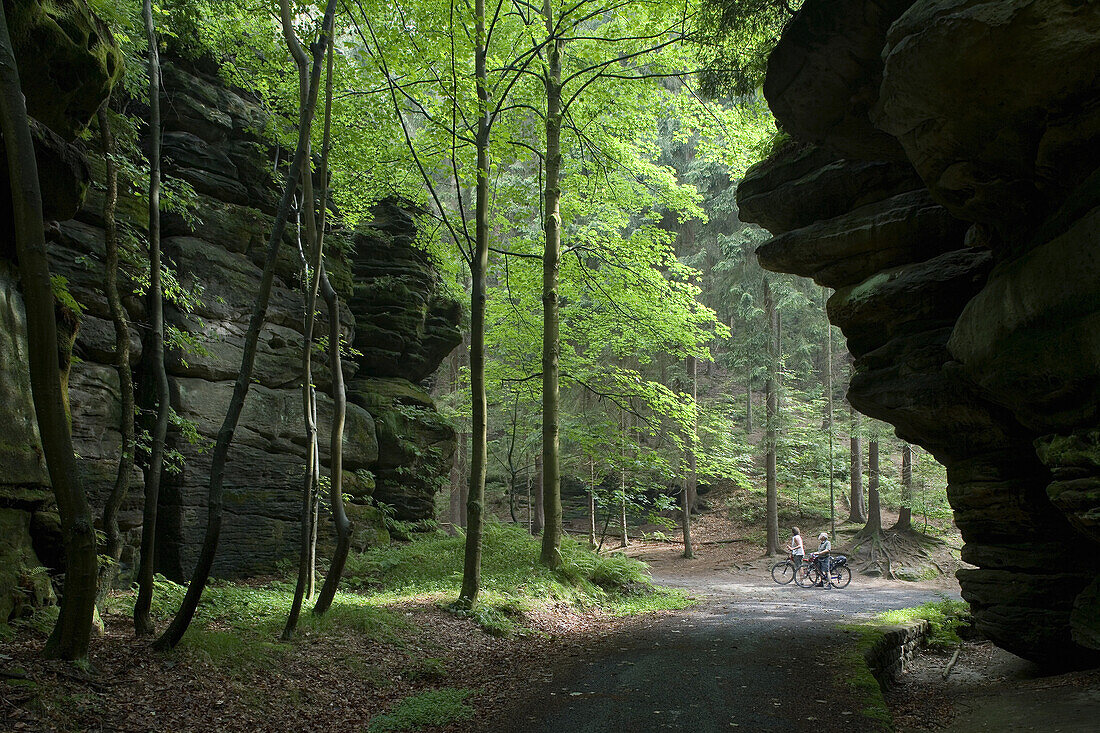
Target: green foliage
pixel 945 619
pixel 510 573
pixel 432 708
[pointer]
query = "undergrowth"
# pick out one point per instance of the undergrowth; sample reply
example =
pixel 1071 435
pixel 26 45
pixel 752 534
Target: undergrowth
pixel 432 708
pixel 945 619
pixel 512 580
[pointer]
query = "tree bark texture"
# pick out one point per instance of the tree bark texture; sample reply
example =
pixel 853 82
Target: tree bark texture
pixel 471 567
pixel 113 544
pixel 856 510
pixel 72 632
pixel 771 399
pixel 154 346
pixel 905 516
pixel 182 619
pixel 874 512
pixel 311 274
pixel 551 346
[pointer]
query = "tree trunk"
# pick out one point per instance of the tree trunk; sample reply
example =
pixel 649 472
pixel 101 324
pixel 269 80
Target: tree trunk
pixel 692 462
pixel 551 347
pixel 153 347
pixel 72 632
pixel 685 515
pixel 471 568
pixel 591 503
pixel 311 274
pixel 829 415
pixel 771 414
pixel 905 516
pixel 336 453
pixel 855 512
pixel 874 514
pixel 537 526
pixel 624 537
pixel 182 619
pixel 113 545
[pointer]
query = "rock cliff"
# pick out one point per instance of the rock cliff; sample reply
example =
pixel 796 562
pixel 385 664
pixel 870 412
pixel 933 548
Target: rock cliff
pixel 943 179
pixel 397 315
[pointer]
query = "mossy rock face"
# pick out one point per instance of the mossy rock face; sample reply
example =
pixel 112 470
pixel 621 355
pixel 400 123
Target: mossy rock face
pixel 68 61
pixel 368 528
pixel 415 444
pixel 24 584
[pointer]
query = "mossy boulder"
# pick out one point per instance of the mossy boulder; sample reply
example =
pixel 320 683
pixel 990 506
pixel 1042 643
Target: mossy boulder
pixel 416 444
pixel 68 61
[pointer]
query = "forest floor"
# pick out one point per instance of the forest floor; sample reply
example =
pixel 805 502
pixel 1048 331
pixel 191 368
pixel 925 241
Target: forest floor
pixel 748 655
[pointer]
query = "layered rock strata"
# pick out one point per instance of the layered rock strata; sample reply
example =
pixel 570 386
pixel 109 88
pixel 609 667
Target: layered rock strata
pixel 397 315
pixel 943 180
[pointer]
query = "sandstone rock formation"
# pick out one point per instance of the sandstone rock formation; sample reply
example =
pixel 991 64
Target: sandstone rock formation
pixel 397 314
pixel 943 178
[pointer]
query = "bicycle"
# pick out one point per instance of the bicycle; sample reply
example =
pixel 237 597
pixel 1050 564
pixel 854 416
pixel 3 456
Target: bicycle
pixel 784 572
pixel 840 575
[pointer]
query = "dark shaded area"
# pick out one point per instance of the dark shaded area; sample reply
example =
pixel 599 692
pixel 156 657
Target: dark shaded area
pixel 970 296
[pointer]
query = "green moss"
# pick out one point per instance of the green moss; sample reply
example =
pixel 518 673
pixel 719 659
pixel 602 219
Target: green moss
pixel 433 708
pixel 944 618
pixel 851 666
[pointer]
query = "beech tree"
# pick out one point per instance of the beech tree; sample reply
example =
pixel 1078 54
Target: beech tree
pixel 71 634
pixel 182 619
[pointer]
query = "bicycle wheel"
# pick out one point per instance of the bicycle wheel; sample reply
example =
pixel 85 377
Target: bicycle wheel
pixel 840 577
pixel 807 576
pixel 783 572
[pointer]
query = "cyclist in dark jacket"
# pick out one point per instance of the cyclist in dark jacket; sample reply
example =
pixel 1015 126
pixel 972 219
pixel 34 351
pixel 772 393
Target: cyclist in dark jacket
pixel 822 558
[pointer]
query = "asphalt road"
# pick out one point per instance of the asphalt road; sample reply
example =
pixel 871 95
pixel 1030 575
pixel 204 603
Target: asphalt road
pixel 751 656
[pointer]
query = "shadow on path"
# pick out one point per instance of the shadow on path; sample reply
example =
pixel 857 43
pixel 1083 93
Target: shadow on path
pixel 752 655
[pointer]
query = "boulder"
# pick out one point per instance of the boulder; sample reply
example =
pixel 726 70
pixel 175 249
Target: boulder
pixel 908 299
pixel 850 248
pixel 994 102
pixel 801 184
pixel 1031 338
pixel 823 76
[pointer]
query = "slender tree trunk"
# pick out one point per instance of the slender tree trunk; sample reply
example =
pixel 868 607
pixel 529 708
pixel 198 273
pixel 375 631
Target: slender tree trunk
pixel 551 347
pixel 113 548
pixel 771 414
pixel 464 486
pixel 336 453
pixel 829 416
pixel 685 515
pixel 457 476
pixel 182 619
pixel 856 513
pixel 624 537
pixel 72 632
pixel 874 513
pixel 540 521
pixel 692 462
pixel 153 348
pixel 591 502
pixel 905 516
pixel 530 509
pixel 471 569
pixel 311 273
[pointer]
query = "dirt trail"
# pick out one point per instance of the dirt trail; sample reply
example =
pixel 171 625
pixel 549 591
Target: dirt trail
pixel 752 655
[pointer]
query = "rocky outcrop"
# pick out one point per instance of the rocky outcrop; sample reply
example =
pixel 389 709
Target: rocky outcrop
pixel 397 315
pixel 968 296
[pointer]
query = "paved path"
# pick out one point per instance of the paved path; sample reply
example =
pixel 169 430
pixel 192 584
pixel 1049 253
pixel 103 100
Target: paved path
pixel 752 656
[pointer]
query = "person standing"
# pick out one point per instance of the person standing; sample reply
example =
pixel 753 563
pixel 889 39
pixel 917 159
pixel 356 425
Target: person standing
pixel 796 547
pixel 822 556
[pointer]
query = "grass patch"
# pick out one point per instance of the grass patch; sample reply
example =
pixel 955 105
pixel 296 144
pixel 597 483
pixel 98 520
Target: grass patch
pixel 945 619
pixel 232 652
pixel 512 579
pixel 435 708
